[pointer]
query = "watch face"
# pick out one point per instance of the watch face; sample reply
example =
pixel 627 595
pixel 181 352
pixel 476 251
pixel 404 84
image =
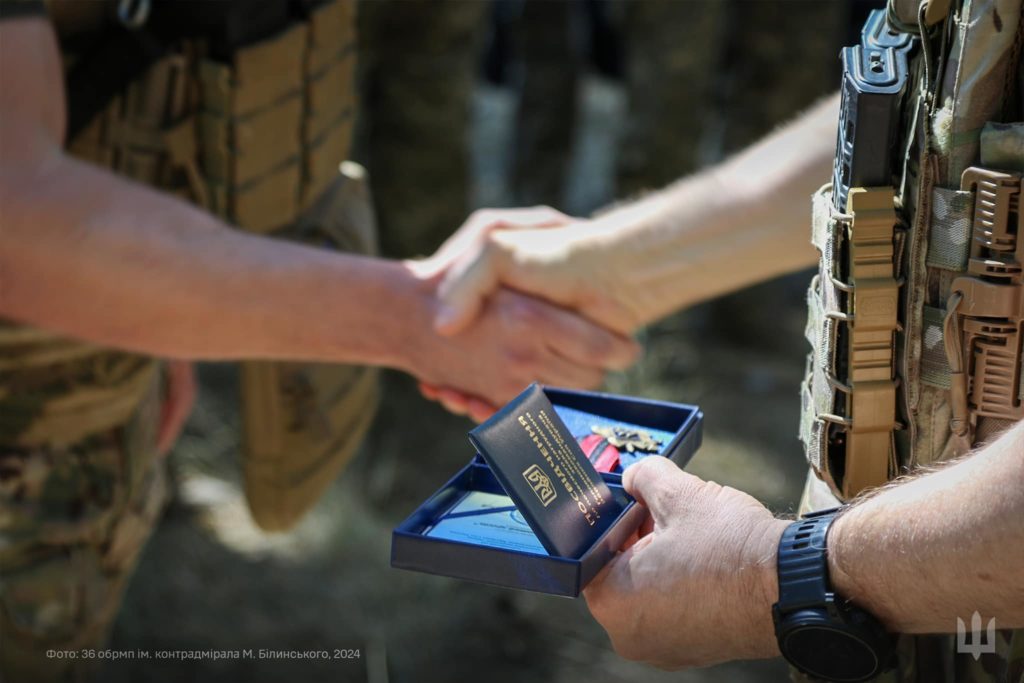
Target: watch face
pixel 830 654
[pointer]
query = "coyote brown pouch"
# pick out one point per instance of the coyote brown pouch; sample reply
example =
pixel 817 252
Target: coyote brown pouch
pixel 303 422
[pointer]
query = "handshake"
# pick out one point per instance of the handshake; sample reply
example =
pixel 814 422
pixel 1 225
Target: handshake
pixel 522 295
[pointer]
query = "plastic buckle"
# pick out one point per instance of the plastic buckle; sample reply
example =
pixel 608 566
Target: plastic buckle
pixel 991 314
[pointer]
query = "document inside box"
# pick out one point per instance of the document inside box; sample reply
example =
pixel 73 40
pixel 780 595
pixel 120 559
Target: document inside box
pixel 489 519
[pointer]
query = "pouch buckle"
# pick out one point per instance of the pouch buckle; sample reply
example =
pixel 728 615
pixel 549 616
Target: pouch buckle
pixel 990 315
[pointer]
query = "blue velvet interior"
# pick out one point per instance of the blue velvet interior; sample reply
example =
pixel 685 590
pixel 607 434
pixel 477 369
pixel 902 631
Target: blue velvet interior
pixel 580 422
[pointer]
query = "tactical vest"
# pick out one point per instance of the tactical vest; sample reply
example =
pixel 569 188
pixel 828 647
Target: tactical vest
pixel 916 315
pixel 253 132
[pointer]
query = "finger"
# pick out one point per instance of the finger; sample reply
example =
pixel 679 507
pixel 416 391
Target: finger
pixel 482 223
pixel 480 410
pixel 631 540
pixel 178 403
pixel 646 527
pixel 600 593
pixel 557 370
pixel 658 484
pixel 428 391
pixel 465 287
pixel 586 343
pixel 454 401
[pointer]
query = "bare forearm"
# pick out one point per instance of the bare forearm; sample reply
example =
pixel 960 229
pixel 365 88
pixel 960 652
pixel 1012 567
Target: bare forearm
pixel 95 256
pixel 739 223
pixel 940 546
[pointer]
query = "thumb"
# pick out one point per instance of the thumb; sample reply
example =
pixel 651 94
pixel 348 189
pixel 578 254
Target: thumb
pixel 658 484
pixel 465 287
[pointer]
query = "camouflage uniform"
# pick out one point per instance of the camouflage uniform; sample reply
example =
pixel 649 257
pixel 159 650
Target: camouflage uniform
pixel 417 70
pixel 81 484
pixel 941 130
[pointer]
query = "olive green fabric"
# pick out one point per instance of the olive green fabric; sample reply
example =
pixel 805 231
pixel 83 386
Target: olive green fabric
pixel 417 68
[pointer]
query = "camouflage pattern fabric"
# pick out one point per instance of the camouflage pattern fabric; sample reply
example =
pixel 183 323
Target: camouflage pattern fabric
pixel 417 68
pixel 81 486
pixel 979 66
pixel 673 53
pixel 547 79
pixel 73 519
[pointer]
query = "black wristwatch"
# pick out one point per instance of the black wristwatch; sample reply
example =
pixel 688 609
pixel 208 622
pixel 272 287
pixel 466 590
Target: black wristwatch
pixel 820 633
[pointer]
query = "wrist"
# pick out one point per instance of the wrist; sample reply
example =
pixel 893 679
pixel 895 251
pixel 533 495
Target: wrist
pixel 847 576
pixel 672 248
pixel 765 590
pixel 408 347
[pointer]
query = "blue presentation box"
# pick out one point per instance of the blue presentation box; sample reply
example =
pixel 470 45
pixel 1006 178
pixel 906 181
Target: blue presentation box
pixel 441 537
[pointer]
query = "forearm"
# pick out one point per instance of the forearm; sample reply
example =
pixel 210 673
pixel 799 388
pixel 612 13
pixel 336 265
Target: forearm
pixel 92 255
pixel 742 222
pixel 941 546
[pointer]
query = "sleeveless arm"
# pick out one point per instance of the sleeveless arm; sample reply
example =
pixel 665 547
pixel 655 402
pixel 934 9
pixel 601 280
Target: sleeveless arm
pixel 90 254
pixel 920 553
pixel 733 225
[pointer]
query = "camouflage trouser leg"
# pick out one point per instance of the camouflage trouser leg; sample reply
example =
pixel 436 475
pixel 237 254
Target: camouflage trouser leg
pixel 672 51
pixel 72 522
pixel 417 65
pixel 551 68
pixel 933 658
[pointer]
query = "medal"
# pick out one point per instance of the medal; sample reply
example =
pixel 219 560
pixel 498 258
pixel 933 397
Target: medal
pixel 631 440
pixel 603 455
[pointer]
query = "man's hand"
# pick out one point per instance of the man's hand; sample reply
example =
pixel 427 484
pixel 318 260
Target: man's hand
pixel 515 341
pixel 727 227
pixel 537 251
pixel 697 586
pixel 179 399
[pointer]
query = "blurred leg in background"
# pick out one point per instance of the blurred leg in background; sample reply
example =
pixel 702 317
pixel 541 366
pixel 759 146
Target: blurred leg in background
pixel 418 66
pixel 547 74
pixel 672 56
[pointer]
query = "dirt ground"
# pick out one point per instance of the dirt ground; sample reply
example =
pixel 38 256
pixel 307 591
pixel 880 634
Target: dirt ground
pixel 209 580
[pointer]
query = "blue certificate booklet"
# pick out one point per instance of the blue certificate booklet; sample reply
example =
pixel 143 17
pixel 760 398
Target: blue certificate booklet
pixel 489 519
pixel 535 457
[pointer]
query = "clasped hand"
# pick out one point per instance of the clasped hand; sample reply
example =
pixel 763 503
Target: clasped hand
pixel 517 294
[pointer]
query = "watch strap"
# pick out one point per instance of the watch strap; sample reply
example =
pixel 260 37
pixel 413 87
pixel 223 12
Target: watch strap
pixel 803 563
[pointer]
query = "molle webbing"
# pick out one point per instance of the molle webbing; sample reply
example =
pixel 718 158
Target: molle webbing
pixel 276 119
pixel 121 54
pixel 874 296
